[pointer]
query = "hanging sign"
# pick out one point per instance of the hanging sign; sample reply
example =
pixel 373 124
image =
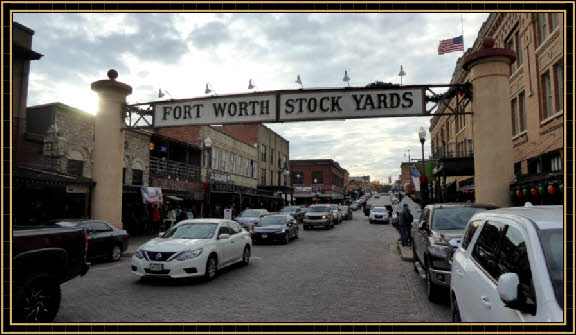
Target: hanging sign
pixel 293 105
pixel 151 195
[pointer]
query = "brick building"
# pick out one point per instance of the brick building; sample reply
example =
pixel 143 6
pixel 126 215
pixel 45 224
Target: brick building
pixel 536 108
pixel 320 179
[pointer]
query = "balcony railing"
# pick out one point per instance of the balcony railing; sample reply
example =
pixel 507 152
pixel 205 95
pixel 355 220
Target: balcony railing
pixel 164 167
pixel 453 154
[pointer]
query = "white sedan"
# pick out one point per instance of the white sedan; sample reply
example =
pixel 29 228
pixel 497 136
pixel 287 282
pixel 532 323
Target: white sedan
pixel 193 248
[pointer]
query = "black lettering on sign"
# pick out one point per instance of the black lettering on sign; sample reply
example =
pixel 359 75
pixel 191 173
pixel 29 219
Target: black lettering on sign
pixel 289 106
pixel 327 100
pixel 219 109
pixel 243 108
pixel 407 98
pixel 177 112
pixel 166 111
pixel 187 110
pixel 336 103
pixel 382 103
pixel 198 106
pixel 369 101
pixel 312 105
pixel 232 109
pixel 394 100
pixel 358 100
pixel 264 107
pixel 253 105
pixel 300 101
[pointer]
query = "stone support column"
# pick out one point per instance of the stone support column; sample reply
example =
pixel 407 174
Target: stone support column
pixel 109 149
pixel 492 123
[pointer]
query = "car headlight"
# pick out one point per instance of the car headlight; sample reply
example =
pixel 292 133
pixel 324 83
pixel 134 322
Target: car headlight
pixel 138 254
pixel 440 250
pixel 323 216
pixel 188 254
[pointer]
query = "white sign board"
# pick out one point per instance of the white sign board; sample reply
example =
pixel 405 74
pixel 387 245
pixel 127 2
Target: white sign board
pixel 351 104
pixel 228 214
pixel 294 105
pixel 206 111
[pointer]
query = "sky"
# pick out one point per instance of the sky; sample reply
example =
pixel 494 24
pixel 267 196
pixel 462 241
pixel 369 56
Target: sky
pixel 181 52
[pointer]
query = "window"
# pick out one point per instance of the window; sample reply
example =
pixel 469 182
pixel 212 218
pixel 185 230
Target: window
pixel 514 107
pixel 534 166
pixel 75 167
pixel 513 258
pixel 522 110
pixel 263 152
pixel 224 229
pixel 224 162
pixel 469 234
pixel 254 169
pixel 517 169
pixel 554 20
pixel 317 177
pixel 546 95
pixel 234 227
pixel 123 176
pixel 247 168
pixel 100 227
pixel 542 27
pixel 515 43
pixel 239 165
pixel 552 161
pixel 559 85
pixel 215 154
pixel 271 177
pixel 137 176
pixel 485 248
pixel 263 176
pixel 232 163
pixel 298 178
pixel 518 114
pixel 271 156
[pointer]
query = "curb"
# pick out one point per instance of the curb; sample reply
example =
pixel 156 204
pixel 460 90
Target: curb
pixel 405 252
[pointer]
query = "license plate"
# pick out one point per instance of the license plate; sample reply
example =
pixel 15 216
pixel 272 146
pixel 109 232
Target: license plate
pixel 156 267
pixel 264 235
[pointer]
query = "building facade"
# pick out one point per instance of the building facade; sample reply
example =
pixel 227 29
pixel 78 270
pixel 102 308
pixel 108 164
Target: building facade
pixel 317 180
pixel 536 109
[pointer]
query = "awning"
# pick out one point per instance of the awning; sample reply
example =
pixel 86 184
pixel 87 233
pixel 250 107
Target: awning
pixel 171 197
pixel 25 175
pixel 467 188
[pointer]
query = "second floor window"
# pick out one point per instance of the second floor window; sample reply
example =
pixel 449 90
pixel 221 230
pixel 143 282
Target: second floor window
pixel 272 156
pixel 317 177
pixel 298 178
pixel 75 167
pixel 224 164
pixel 515 43
pixel 546 95
pixel 263 152
pixel 137 176
pixel 518 114
pixel 559 85
pixel 263 176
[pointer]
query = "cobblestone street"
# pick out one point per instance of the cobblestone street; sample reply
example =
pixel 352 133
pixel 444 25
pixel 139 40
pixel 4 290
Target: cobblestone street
pixel 352 273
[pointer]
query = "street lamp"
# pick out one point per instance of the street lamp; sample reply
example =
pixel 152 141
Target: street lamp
pixel 422 135
pixel 208 150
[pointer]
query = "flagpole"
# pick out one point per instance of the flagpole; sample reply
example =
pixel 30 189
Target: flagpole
pixel 462 25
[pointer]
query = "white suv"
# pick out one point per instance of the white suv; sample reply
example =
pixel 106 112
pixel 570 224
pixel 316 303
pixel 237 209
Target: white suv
pixel 509 267
pixel 379 214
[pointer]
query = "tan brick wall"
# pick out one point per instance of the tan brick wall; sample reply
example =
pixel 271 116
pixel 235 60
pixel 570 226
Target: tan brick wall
pixel 137 155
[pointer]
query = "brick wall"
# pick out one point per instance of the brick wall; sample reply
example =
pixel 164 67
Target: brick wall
pixel 137 155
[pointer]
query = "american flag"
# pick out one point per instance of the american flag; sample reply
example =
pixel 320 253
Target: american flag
pixel 451 45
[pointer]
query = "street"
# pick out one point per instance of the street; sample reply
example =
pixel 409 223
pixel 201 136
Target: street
pixel 352 273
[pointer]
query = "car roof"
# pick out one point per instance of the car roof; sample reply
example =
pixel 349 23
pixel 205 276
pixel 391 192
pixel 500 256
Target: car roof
pixel 544 217
pixel 278 214
pixel 374 207
pixel 462 204
pixel 203 221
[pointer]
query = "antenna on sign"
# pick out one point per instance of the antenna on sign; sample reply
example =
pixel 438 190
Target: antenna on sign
pixel 346 78
pixel 162 94
pixel 401 74
pixel 299 81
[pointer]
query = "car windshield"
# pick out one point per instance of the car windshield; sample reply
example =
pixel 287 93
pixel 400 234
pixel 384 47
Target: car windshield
pixel 344 208
pixel 334 207
pixel 66 223
pixel 378 209
pixel 453 218
pixel 318 209
pixel 289 209
pixel 200 230
pixel 250 214
pixel 273 221
pixel 553 246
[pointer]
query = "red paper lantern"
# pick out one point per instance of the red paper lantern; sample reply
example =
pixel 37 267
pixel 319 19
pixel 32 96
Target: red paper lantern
pixel 519 193
pixel 205 185
pixel 534 192
pixel 551 190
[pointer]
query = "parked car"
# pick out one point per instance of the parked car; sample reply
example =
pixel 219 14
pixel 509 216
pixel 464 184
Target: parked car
pixel 104 240
pixel 44 257
pixel 509 267
pixel 276 228
pixel 367 208
pixel 346 212
pixel 377 196
pixel 336 213
pixel 250 217
pixel 434 238
pixel 193 248
pixel 379 214
pixel 318 215
pixel 355 205
pixel 295 211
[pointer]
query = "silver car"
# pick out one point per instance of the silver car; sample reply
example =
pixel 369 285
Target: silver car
pixel 336 213
pixel 319 215
pixel 250 218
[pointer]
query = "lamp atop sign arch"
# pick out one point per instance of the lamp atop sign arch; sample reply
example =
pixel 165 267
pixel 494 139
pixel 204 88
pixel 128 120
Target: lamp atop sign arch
pixel 251 85
pixel 208 142
pixel 209 89
pixel 299 81
pixel 346 78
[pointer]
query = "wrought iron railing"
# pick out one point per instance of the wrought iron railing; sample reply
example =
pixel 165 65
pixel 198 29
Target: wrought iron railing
pixel 173 169
pixel 453 154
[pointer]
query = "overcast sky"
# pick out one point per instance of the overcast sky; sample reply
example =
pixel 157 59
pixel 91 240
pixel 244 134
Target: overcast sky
pixel 180 53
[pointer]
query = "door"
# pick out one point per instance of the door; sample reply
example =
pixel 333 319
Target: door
pixel 421 236
pixel 91 251
pixel 102 238
pixel 224 246
pixel 237 241
pixel 478 295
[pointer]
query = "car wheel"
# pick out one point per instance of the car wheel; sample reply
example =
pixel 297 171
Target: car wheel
pixel 414 258
pixel 37 298
pixel 296 235
pixel 116 253
pixel 431 288
pixel 306 227
pixel 211 268
pixel 286 238
pixel 246 256
pixel 455 311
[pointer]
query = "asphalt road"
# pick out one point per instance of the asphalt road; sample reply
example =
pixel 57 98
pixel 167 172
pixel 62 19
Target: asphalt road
pixel 352 273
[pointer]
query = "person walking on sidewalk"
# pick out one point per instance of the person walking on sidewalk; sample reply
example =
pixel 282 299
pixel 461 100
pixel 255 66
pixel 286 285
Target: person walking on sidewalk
pixel 405 222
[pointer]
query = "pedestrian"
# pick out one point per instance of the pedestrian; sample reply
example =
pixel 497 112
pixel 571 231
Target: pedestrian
pixel 405 222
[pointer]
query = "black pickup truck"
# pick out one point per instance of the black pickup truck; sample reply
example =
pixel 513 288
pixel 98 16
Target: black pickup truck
pixel 43 257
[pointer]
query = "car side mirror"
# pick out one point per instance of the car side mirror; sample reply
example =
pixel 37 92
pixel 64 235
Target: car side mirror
pixel 223 236
pixel 160 234
pixel 508 288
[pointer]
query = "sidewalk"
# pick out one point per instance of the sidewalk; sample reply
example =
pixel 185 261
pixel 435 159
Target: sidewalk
pixel 405 252
pixel 135 242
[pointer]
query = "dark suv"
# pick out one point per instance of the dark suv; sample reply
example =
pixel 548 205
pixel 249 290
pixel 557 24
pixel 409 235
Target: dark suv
pixel 434 238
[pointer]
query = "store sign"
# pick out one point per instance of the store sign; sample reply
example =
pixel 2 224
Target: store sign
pixel 151 195
pixel 303 189
pixel 76 189
pixel 296 105
pixel 220 177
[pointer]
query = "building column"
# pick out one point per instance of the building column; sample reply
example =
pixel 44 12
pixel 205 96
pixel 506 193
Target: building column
pixel 492 124
pixel 109 149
